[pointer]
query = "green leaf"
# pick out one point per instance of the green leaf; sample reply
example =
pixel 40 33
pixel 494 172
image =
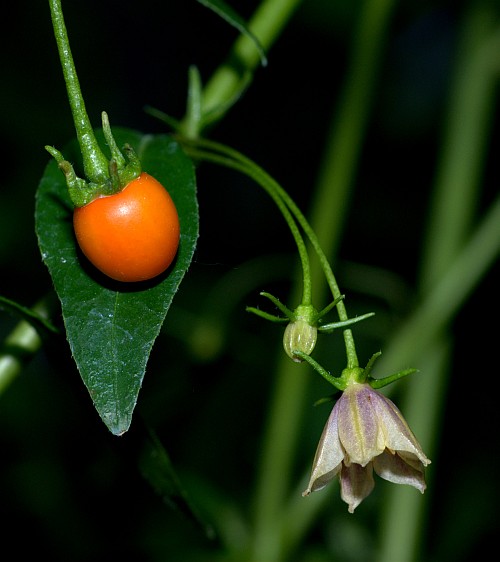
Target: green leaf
pixel 157 468
pixel 111 326
pixel 234 19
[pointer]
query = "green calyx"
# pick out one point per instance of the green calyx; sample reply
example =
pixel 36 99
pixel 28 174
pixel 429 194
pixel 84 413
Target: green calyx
pixel 103 176
pixel 120 170
pixel 355 375
pixel 304 312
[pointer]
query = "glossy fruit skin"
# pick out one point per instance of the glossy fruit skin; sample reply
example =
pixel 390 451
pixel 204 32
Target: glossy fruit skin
pixel 132 235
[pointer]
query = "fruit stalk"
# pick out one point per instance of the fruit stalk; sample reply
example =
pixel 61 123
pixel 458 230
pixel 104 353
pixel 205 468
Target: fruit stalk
pixel 95 163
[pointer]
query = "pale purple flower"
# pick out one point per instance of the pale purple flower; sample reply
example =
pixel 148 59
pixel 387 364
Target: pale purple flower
pixel 366 432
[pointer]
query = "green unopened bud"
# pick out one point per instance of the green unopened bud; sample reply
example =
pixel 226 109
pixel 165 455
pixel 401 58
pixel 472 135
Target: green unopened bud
pixel 299 336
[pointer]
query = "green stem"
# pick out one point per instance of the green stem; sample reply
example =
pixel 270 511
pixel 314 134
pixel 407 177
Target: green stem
pixel 279 532
pixel 239 161
pixel 95 164
pixel 248 168
pixel 450 270
pixel 337 382
pixel 440 304
pixel 266 24
pixel 472 98
pixel 22 343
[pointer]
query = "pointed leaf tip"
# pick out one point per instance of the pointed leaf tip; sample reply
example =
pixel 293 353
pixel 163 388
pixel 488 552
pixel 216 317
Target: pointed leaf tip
pixel 111 327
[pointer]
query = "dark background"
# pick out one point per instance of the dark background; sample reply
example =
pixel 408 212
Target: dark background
pixel 71 491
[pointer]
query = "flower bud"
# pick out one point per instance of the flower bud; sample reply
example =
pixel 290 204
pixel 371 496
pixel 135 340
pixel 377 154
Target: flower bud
pixel 299 336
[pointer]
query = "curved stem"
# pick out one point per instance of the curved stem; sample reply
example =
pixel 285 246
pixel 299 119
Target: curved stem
pixel 95 163
pixel 279 530
pixel 267 184
pixel 239 161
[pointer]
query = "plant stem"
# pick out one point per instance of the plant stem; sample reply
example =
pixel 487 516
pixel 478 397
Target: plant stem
pixel 277 535
pixel 439 305
pixel 95 164
pixel 239 161
pixel 449 270
pixel 266 24
pixel 472 100
pixel 253 171
pixel 22 343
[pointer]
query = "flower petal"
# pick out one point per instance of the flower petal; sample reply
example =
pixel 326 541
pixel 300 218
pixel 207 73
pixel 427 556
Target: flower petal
pixel 329 455
pixel 359 430
pixel 356 483
pixel 397 435
pixel 394 468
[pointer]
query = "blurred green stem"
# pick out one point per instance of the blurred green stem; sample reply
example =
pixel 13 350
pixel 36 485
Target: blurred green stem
pixel 449 270
pixel 21 344
pixel 438 306
pixel 272 541
pixel 266 24
pixel 465 143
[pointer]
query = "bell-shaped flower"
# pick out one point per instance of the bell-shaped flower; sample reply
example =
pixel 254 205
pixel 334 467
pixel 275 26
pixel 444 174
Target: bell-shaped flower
pixel 366 432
